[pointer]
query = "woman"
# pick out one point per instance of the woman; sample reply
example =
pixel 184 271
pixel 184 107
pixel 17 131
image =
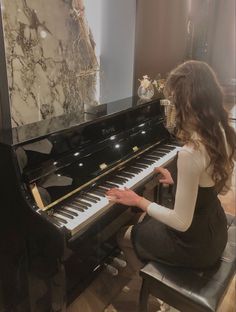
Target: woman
pixel 194 233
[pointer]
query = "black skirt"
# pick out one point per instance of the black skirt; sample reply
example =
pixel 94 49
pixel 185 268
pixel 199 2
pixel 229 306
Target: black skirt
pixel 198 247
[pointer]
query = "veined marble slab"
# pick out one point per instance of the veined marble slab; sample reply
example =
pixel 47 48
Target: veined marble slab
pixel 51 61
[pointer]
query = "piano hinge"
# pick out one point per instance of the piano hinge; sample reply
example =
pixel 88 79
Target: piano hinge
pixel 36 195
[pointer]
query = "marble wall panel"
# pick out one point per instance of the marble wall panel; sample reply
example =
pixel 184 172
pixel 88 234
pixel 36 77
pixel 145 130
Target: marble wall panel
pixel 51 61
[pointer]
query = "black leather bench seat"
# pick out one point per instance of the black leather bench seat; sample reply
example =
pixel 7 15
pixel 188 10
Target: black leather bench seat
pixel 191 290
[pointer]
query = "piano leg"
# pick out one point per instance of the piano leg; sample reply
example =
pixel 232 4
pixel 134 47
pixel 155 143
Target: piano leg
pixel 48 293
pixel 14 279
pixel 58 290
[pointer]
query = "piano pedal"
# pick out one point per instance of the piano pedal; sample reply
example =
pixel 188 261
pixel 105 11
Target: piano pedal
pixel 111 270
pixel 125 289
pixel 119 262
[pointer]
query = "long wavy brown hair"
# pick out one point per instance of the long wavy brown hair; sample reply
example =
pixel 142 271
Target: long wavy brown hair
pixel 198 99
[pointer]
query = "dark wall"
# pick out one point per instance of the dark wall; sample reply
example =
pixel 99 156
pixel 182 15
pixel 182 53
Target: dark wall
pixel 223 50
pixel 171 31
pixel 214 35
pixel 161 36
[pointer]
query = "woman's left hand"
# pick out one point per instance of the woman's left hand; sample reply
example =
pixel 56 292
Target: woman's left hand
pixel 124 197
pixel 166 175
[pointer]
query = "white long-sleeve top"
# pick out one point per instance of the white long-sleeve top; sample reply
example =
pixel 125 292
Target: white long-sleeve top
pixel 193 171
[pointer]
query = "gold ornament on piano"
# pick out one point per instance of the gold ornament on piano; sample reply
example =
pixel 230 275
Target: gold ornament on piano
pixel 170 114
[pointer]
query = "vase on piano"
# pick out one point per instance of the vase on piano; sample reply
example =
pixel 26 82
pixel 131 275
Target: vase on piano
pixel 146 93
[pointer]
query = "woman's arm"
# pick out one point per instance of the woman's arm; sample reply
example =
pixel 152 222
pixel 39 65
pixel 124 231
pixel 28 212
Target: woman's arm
pixel 180 218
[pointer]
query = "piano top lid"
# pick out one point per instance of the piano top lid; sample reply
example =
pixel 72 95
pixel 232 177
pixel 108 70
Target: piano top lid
pixel 43 128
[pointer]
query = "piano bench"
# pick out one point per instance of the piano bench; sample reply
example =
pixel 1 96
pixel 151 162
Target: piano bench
pixel 191 290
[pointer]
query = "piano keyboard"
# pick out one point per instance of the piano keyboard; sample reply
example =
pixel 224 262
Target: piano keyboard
pixel 76 213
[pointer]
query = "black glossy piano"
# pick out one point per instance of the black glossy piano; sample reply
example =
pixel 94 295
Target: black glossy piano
pixel 53 188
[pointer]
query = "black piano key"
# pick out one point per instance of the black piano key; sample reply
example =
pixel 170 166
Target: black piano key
pixel 125 174
pixel 116 180
pixel 164 150
pixel 56 222
pixel 110 185
pixel 168 148
pixel 161 154
pixel 78 204
pixel 133 170
pixel 102 189
pixel 124 178
pixel 140 166
pixel 135 167
pixel 152 157
pixel 93 197
pixel 59 219
pixel 152 160
pixel 155 155
pixel 98 192
pixel 89 198
pixel 65 209
pixel 85 204
pixel 140 163
pixel 115 183
pixel 121 178
pixel 65 214
pixel 145 161
pixel 77 207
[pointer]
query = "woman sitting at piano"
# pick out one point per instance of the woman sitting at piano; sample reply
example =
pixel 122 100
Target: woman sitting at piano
pixel 194 233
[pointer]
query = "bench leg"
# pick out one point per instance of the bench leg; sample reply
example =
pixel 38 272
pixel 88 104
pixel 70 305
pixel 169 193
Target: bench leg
pixel 143 297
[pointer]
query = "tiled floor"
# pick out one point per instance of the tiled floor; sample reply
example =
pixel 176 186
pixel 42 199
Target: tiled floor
pixel 127 301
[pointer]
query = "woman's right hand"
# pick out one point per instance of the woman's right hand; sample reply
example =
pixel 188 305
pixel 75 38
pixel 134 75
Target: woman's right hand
pixel 166 177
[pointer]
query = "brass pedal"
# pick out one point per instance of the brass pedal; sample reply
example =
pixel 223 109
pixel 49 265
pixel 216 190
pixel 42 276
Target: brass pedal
pixel 111 270
pixel 119 262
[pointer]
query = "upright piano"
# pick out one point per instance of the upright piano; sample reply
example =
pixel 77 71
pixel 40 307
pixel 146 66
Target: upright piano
pixel 54 187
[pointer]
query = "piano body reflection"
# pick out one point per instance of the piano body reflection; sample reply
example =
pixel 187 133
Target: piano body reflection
pixel 55 184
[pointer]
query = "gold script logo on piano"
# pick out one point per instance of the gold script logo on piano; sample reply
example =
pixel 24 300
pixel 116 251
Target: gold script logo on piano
pixel 103 166
pixel 135 148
